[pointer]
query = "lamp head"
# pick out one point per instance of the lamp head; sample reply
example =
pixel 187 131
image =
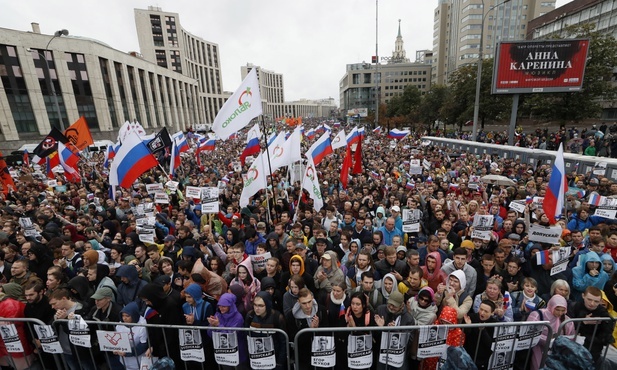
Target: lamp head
pixel 62 32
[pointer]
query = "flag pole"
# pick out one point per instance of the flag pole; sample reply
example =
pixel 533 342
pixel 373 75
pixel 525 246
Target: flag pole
pixel 263 125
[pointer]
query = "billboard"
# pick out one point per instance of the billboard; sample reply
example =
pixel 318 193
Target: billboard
pixel 362 112
pixel 540 66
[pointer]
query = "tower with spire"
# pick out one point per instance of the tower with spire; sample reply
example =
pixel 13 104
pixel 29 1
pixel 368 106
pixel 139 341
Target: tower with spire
pixel 399 55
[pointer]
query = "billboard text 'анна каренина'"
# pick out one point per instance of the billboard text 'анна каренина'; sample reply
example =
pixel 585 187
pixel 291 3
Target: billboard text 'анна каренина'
pixel 540 66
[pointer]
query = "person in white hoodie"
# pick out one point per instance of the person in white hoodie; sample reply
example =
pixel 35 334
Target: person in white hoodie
pixel 138 337
pixel 380 218
pixel 453 294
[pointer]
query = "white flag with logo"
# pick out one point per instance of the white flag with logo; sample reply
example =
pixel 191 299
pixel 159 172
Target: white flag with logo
pixel 286 153
pixel 310 182
pixel 240 108
pixel 340 140
pixel 255 180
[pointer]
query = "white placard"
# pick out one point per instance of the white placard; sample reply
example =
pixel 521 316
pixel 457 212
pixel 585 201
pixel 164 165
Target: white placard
pixel 517 206
pixel 146 233
pixel 161 198
pixel 191 348
pixel 432 341
pixel 193 192
pixel 544 234
pixel 10 337
pixel 79 334
pixel 259 260
pixel 172 185
pixel 609 213
pixel 528 337
pixel 113 341
pixel 359 351
pixel 52 183
pixel 392 349
pixel 48 338
pixel 261 353
pixel 154 188
pixel 323 352
pixel 415 168
pixel 482 227
pixel 226 348
pixel 209 200
pixel 411 220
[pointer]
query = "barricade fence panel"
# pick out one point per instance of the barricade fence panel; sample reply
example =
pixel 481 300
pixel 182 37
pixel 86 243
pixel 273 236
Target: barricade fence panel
pixel 595 334
pixel 79 344
pixel 494 345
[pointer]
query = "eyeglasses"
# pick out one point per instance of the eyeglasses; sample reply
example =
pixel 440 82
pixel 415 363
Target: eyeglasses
pixel 423 299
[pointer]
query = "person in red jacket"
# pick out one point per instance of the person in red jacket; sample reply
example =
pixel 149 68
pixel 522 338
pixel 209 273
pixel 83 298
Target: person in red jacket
pixel 10 308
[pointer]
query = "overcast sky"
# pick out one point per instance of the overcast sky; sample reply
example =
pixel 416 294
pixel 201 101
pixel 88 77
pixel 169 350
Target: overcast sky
pixel 308 41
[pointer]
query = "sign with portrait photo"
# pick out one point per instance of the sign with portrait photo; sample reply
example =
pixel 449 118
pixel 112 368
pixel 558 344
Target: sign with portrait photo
pixel 10 337
pixel 392 349
pixel 261 352
pixel 226 348
pixel 79 333
pixel 323 352
pixel 48 338
pixel 482 227
pixel 411 220
pixel 209 200
pixel 432 341
pixel 191 348
pixel 359 351
pixel 528 337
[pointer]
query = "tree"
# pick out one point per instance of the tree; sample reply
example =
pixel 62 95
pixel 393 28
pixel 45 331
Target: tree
pixel 597 85
pixel 432 101
pixel 405 105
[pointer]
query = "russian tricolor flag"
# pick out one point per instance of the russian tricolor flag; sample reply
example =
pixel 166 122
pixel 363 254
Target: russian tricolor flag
pixel 132 160
pixel 310 134
pixel 252 148
pixel 353 136
pixel 542 257
pixel 398 134
pixel 68 161
pixel 377 130
pixel 321 148
pixel 594 199
pixel 175 160
pixel 556 189
pixel 361 132
pixel 26 159
pixel 181 142
pixel 410 185
pixel 375 175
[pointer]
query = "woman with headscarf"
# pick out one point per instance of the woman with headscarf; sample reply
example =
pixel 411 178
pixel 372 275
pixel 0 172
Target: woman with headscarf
pixel 555 313
pixel 244 278
pixel 388 285
pixel 455 338
pixel 263 316
pixel 138 336
pixel 71 231
pixel 227 316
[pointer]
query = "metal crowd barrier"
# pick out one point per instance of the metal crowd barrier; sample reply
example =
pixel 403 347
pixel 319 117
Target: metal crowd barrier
pixel 416 329
pixel 578 322
pixel 38 359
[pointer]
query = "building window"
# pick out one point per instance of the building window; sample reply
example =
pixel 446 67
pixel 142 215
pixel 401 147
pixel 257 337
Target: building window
pixel 111 105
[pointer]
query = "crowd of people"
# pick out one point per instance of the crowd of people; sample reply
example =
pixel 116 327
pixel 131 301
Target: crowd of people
pixel 72 250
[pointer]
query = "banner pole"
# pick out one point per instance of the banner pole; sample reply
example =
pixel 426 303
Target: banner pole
pixel 263 125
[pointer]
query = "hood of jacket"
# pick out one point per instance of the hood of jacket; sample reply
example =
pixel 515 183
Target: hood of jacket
pixel 448 315
pixel 383 287
pixel 132 310
pixel 194 290
pixel 297 258
pixel 128 271
pixel 80 284
pixel 460 275
pixel 228 300
pixel 299 314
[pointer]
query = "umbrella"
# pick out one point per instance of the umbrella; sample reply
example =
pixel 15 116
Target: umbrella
pixel 498 180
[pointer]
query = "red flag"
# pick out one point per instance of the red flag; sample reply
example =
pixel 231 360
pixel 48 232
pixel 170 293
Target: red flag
pixel 357 167
pixel 346 167
pixel 26 159
pixel 7 181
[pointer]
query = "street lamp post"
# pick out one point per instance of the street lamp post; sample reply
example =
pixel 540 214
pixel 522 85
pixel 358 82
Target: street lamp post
pixel 62 32
pixel 476 105
pixel 376 64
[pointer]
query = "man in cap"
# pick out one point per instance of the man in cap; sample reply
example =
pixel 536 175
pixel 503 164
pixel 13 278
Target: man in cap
pixel 394 313
pixel 105 309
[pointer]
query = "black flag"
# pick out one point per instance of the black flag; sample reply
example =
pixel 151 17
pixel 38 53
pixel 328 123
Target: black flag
pixel 161 141
pixel 50 143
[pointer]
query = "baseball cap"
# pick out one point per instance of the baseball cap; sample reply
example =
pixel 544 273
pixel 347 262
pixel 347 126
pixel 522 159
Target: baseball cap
pixel 103 292
pixel 401 248
pixel 396 298
pixel 514 236
pixel 169 238
pixel 326 256
pixel 395 209
pixel 162 280
pixel 594 181
pixel 300 246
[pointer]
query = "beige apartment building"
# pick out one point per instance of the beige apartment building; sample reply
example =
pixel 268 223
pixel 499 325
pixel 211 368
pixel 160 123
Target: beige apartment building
pixel 457 29
pixel 270 88
pixel 163 41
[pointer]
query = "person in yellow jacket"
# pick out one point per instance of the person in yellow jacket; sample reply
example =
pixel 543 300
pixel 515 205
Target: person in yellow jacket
pixel 611 354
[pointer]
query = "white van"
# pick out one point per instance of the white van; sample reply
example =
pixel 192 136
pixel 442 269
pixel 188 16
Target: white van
pixel 99 145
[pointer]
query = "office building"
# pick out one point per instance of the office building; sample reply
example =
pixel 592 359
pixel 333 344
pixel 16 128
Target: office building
pixel 357 86
pixel 270 88
pixel 163 41
pixel 41 75
pixel 457 29
pixel 321 108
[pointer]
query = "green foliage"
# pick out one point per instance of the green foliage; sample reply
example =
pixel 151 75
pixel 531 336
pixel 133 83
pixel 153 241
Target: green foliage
pixel 597 85
pixel 405 105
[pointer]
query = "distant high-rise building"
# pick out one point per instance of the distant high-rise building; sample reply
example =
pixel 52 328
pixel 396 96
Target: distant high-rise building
pixel 457 29
pixel 357 86
pixel 271 89
pixel 163 41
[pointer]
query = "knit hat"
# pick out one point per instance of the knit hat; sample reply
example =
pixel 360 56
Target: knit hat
pixel 396 298
pixel 92 256
pixel 468 244
pixel 427 292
